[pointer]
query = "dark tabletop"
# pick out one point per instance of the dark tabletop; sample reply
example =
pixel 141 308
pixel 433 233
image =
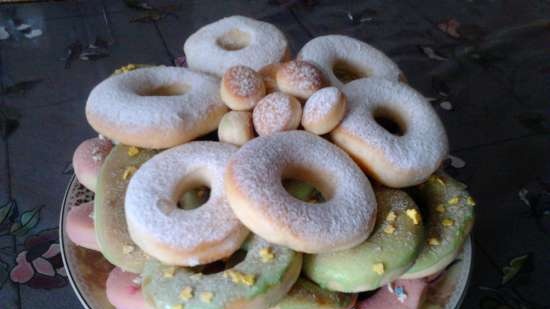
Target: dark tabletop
pixel 484 63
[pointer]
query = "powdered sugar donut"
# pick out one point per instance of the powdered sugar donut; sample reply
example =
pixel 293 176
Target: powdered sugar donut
pixel 80 226
pixel 157 107
pixel 253 182
pixel 178 236
pixel 124 290
pixel 236 128
pixel 88 159
pixel 235 40
pixel 324 110
pixel 410 154
pixel 241 88
pixel 277 112
pixel 299 78
pixel 338 55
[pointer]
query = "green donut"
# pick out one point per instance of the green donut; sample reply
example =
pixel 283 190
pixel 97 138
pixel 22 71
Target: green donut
pixel 308 295
pixel 261 280
pixel 449 221
pixel 387 254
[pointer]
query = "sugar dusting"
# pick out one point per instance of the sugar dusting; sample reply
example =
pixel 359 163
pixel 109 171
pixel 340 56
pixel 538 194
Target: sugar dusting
pixel 321 104
pixel 243 81
pixel 302 75
pixel 276 112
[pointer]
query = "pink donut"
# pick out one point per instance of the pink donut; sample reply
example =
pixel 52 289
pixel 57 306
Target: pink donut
pixel 80 226
pixel 88 158
pixel 402 294
pixel 124 290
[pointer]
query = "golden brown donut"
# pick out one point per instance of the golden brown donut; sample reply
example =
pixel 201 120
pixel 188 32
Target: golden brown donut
pixel 299 78
pixel 324 110
pixel 241 88
pixel 277 112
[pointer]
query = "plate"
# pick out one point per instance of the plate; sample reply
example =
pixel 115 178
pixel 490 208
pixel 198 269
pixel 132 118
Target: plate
pixel 87 270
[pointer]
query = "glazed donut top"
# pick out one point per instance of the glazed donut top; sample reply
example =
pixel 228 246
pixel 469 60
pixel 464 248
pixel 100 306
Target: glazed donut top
pixel 235 40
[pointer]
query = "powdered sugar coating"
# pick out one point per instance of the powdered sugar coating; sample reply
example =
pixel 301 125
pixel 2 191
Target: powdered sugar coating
pixel 396 161
pixel 324 110
pixel 256 194
pixel 266 45
pixel 326 51
pixel 276 112
pixel 242 88
pixel 299 78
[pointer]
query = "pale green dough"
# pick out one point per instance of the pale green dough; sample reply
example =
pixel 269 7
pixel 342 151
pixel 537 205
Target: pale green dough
pixel 308 295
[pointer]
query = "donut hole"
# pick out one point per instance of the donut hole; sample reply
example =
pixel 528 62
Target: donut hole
pixel 221 265
pixel 306 185
pixel 347 72
pixel 165 90
pixel 194 198
pixel 233 40
pixel 390 121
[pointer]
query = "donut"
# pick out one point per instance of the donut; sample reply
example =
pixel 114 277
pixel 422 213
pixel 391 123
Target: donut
pixel 392 132
pixel 235 40
pixel 80 226
pixel 307 295
pixel 236 128
pixel 324 110
pixel 299 78
pixel 276 112
pixel 158 107
pixel 178 236
pixel 87 160
pixel 260 281
pixel 109 217
pixel 387 254
pixel 401 294
pixel 339 55
pixel 123 290
pixel 449 222
pixel 269 75
pixel 241 88
pixel 256 194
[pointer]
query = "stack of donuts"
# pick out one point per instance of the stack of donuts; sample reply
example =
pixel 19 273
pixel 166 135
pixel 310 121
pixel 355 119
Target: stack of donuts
pixel 323 182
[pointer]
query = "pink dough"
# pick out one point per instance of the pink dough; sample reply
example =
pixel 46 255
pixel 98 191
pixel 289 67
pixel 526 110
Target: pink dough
pixel 88 158
pixel 123 292
pixel 80 226
pixel 385 299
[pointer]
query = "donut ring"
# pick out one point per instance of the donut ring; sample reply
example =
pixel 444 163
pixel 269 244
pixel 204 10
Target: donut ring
pixel 242 88
pixel 88 159
pixel 260 281
pixel 235 40
pixel 395 161
pixel 330 52
pixel 177 236
pixel 256 194
pixel 277 112
pixel 156 107
pixel 299 78
pixel 324 110
pixel 306 294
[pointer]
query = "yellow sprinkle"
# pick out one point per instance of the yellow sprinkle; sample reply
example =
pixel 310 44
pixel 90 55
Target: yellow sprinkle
pixel 178 306
pixel 248 279
pixel 414 215
pixel 238 277
pixel 470 201
pixel 128 172
pixel 207 297
pixel 454 200
pixel 378 268
pixel 439 180
pixel 186 293
pixel 267 254
pixel 131 66
pixel 447 222
pixel 391 216
pixel 169 272
pixel 390 229
pixel 440 208
pixel 133 151
pixel 433 241
pixel 127 249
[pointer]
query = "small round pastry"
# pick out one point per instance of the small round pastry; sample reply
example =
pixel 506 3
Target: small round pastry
pixel 338 55
pixel 275 113
pixel 241 88
pixel 236 128
pixel 269 74
pixel 401 294
pixel 253 183
pixel 158 107
pixel 450 220
pixel 324 110
pixel 88 159
pixel 235 40
pixel 260 281
pixel 110 221
pixel 387 254
pixel 80 226
pixel 123 290
pixel 178 236
pixel 392 132
pixel 307 295
pixel 299 78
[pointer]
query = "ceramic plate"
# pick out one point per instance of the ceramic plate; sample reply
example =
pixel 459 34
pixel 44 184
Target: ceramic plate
pixel 88 270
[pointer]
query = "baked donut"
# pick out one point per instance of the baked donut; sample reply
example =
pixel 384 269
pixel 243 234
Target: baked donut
pixel 276 112
pixel 308 295
pixel 387 254
pixel 256 194
pixel 392 132
pixel 236 128
pixel 401 294
pixel 260 281
pixel 299 78
pixel 241 88
pixel 156 107
pixel 235 40
pixel 178 236
pixel 269 75
pixel 449 222
pixel 324 110
pixel 80 226
pixel 339 55
pixel 123 290
pixel 88 159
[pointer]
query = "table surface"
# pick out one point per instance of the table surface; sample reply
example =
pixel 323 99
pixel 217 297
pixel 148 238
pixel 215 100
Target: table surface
pixel 485 64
